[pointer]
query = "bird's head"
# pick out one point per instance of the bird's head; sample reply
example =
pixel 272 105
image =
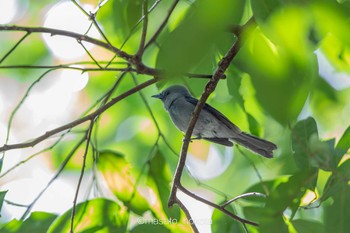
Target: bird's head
pixel 172 93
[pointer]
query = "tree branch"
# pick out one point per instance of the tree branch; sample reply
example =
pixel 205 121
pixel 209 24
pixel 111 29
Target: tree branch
pixel 210 87
pixel 72 124
pixel 161 27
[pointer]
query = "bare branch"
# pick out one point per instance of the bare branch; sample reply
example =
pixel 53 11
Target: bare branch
pixel 59 171
pixel 218 207
pixel 243 196
pixel 88 138
pixel 73 124
pixel 144 29
pixel 74 35
pixel 161 27
pixel 14 47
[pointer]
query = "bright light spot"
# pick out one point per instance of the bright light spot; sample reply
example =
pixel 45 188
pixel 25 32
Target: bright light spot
pixel 337 80
pixel 71 81
pixel 24 191
pixel 11 157
pixel 201 213
pixel 48 105
pixel 1 105
pixel 309 197
pixel 214 166
pixel 8 10
pixel 67 16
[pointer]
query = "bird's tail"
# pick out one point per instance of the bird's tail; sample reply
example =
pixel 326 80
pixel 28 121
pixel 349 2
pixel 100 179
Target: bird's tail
pixel 255 144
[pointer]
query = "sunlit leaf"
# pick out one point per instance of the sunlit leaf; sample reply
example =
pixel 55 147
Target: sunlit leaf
pixel 286 195
pixel 281 82
pixel 97 215
pixel 37 222
pixel 337 180
pixel 2 197
pixel 159 179
pixel 116 171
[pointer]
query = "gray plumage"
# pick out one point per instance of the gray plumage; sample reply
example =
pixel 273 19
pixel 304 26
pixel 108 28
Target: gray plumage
pixel 211 124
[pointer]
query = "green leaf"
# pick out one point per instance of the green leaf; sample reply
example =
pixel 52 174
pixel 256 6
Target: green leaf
pixel 262 9
pixel 336 216
pixel 308 226
pixel 309 151
pixel 274 74
pixel 254 126
pixel 116 171
pixel 344 142
pixel 264 187
pixel 223 223
pixel 337 180
pixel 197 35
pixel 37 222
pixel 234 84
pixel 159 179
pixel 286 195
pixel 100 215
pixel 143 228
pixel 2 197
pixel 274 225
pixel 301 134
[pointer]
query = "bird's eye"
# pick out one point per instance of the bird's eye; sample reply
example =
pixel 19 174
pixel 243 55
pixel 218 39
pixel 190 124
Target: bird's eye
pixel 165 93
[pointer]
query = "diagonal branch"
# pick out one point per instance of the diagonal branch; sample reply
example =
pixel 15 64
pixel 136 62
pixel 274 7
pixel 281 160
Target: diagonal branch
pixel 72 124
pixel 161 27
pixel 14 47
pixel 144 29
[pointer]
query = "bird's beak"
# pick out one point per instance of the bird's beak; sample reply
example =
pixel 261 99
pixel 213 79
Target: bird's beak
pixel 158 96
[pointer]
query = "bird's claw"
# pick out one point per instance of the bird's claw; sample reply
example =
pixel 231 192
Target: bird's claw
pixel 192 139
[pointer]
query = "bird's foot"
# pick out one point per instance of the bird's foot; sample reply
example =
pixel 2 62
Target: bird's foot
pixel 192 139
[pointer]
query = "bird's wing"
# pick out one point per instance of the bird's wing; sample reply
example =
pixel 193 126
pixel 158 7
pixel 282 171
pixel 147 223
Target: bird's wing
pixel 222 141
pixel 215 113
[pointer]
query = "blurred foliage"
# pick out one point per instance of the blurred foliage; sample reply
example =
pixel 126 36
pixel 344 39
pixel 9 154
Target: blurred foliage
pixel 273 89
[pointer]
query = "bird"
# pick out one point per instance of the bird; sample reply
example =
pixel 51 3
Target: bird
pixel 211 124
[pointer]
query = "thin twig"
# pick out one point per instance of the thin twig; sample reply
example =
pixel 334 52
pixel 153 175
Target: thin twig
pixel 218 207
pixel 34 155
pixel 14 47
pixel 69 67
pixel 63 165
pixel 88 138
pixel 243 196
pixel 137 23
pixel 74 35
pixel 188 215
pixel 13 113
pixel 256 171
pixel 161 27
pixel 89 54
pixel 144 29
pixel 72 124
